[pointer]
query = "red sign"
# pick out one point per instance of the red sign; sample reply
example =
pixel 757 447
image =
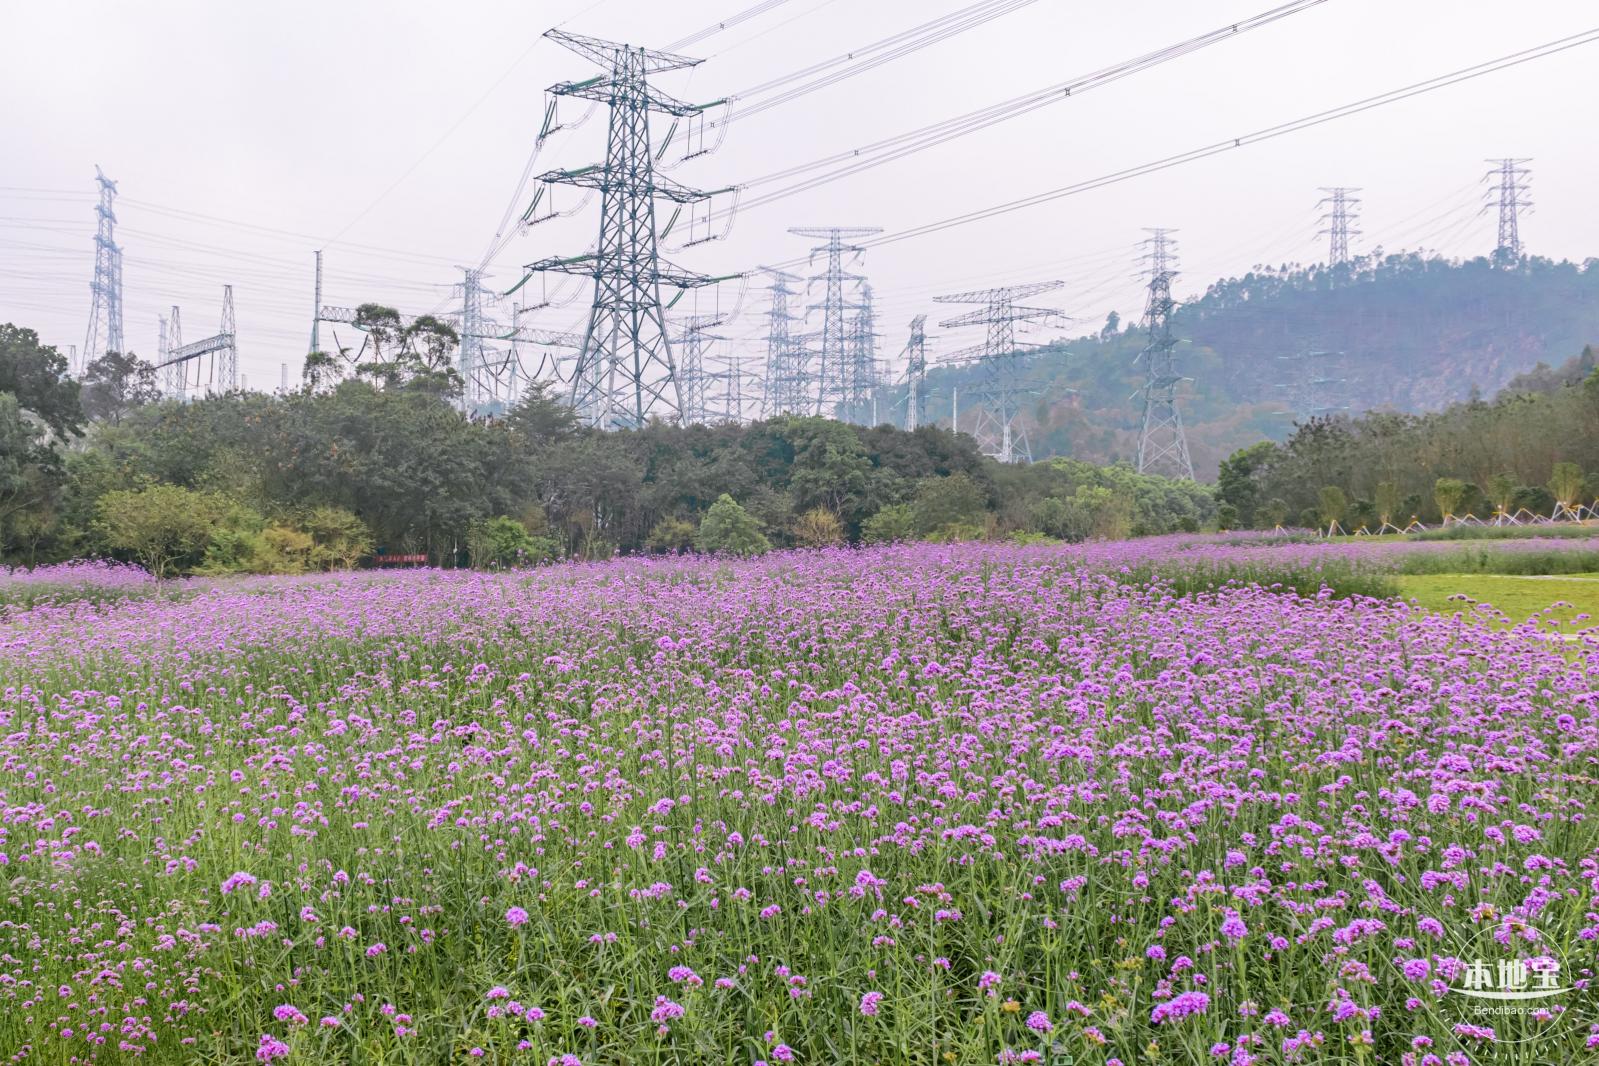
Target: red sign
pixel 399 560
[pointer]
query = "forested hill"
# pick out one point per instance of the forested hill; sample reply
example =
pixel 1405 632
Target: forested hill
pixel 1401 332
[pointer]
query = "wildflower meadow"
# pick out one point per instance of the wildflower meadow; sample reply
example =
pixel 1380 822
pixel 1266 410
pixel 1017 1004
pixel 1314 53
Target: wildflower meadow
pixel 914 804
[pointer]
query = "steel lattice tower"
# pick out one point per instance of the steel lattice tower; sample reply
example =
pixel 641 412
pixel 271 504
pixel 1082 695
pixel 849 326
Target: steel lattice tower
pixel 831 377
pixel 916 375
pixel 786 391
pixel 105 313
pixel 176 378
pixel 1003 383
pixel 227 364
pixel 624 374
pixel 1316 384
pixel 1162 444
pixel 487 373
pixel 1512 200
pixel 860 377
pixel 1342 206
pixel 694 376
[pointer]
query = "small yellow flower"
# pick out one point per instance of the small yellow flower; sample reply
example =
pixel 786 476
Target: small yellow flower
pixel 1010 1006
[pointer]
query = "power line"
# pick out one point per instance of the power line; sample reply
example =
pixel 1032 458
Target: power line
pixel 869 156
pixel 1269 133
pixel 726 24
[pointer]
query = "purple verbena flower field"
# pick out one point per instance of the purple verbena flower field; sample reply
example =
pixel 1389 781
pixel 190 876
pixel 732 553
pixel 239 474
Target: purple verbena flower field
pixel 920 804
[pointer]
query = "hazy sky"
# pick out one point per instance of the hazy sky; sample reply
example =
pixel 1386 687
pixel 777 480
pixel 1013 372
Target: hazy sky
pixel 245 135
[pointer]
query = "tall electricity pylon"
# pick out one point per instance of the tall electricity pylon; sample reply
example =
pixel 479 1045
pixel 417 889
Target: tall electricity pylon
pixel 1512 199
pixel 860 377
pixel 625 374
pixel 487 373
pixel 176 379
pixel 222 347
pixel 1342 207
pixel 693 373
pixel 787 389
pixel 916 375
pixel 831 376
pixel 1162 444
pixel 105 313
pixel 1002 384
pixel 1315 385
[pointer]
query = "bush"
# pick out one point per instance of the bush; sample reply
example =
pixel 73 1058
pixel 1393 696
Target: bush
pixel 728 528
pixel 340 538
pixel 941 502
pixel 896 522
pixel 818 528
pixel 502 543
pixel 164 527
pixel 671 534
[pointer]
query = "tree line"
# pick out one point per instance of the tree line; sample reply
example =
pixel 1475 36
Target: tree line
pixel 1533 448
pixel 371 456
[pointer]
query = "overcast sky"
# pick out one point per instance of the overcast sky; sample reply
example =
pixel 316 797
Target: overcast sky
pixel 392 134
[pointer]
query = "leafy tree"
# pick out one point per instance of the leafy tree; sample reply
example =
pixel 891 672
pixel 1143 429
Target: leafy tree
pixel 672 534
pixel 116 384
pixel 1387 501
pixel 830 467
pixel 1449 493
pixel 728 528
pixel 1235 481
pixel 341 539
pixel 1331 505
pixel 1501 490
pixel 501 543
pixel 36 376
pixel 1566 482
pixel 30 475
pixel 953 501
pixel 161 526
pixel 818 528
pixel 896 522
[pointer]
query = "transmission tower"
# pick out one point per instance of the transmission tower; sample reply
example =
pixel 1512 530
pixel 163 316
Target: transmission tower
pixel 916 375
pixel 692 372
pixel 1342 207
pixel 832 378
pixel 1315 386
pixel 105 313
pixel 1162 445
pixel 175 379
pixel 223 348
pixel 860 377
pixel 1512 199
pixel 624 374
pixel 787 388
pixel 1001 360
pixel 487 372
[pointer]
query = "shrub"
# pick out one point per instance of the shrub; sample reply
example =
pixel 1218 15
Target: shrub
pixel 818 528
pixel 502 543
pixel 728 528
pixel 165 527
pixel 671 534
pixel 896 522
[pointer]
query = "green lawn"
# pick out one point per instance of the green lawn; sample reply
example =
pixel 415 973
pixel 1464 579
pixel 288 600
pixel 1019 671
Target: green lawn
pixel 1516 597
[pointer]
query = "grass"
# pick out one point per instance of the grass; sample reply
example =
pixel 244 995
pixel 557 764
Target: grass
pixel 1516 597
pixel 1491 561
pixel 1192 577
pixel 1565 530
